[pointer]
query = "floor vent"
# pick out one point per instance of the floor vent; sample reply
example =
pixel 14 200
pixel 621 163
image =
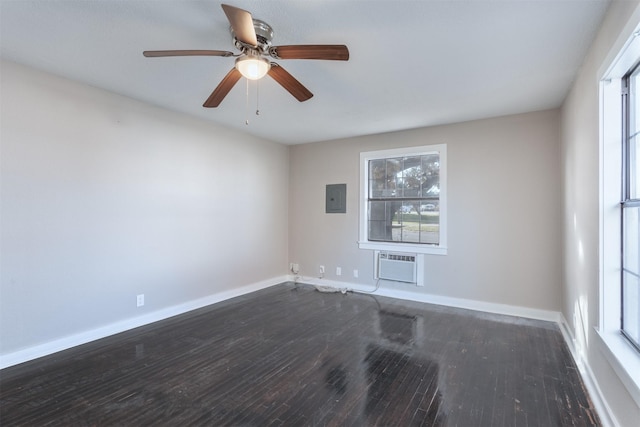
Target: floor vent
pixel 398 267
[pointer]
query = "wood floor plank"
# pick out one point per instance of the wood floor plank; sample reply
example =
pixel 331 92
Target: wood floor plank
pixel 292 356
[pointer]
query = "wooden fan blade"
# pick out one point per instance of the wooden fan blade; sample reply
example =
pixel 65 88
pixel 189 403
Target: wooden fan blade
pixel 289 82
pixel 333 52
pixel 223 88
pixel 242 24
pixel 158 53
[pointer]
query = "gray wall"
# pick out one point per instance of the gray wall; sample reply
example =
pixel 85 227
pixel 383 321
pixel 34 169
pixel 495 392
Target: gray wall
pixel 580 166
pixel 503 202
pixel 104 198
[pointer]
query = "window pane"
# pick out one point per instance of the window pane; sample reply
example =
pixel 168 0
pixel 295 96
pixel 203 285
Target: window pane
pixel 430 224
pixel 630 305
pixel 377 178
pixel 634 102
pixel 631 239
pixel 634 168
pixel 380 215
pixel 634 124
pixel 407 223
pixel 380 210
pixel 431 170
pixel 412 176
pixel 377 230
pixel 631 265
pixel 394 177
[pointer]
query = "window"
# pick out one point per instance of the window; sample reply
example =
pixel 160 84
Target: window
pixel 619 192
pixel 631 209
pixel 403 199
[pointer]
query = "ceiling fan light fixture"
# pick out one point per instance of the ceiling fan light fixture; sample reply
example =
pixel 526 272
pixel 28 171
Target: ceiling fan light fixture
pixel 253 67
pixel 252 38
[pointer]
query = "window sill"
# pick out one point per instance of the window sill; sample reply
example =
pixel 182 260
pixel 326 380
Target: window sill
pixel 403 247
pixel 624 360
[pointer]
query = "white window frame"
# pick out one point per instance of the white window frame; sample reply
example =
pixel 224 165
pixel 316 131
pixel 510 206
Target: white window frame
pixel 623 358
pixel 418 248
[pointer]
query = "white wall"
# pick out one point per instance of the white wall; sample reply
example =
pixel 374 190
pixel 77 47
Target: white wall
pixel 104 198
pixel 503 203
pixel 580 166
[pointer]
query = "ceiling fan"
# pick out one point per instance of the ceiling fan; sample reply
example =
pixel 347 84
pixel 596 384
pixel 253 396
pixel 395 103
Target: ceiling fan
pixel 252 37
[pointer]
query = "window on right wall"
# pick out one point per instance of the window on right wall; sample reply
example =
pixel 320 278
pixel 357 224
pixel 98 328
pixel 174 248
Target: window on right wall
pixel 630 204
pixel 619 296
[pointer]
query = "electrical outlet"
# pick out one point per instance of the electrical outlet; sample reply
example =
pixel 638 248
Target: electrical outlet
pixel 338 271
pixel 322 269
pixel 294 268
pixel 355 274
pixel 140 300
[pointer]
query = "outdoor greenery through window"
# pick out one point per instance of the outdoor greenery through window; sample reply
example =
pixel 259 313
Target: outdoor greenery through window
pixel 631 210
pixel 404 199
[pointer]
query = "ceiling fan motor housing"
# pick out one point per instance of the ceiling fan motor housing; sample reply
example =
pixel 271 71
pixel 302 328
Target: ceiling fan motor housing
pixel 264 35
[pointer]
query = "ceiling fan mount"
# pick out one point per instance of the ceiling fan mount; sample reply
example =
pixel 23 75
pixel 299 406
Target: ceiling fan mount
pixel 252 37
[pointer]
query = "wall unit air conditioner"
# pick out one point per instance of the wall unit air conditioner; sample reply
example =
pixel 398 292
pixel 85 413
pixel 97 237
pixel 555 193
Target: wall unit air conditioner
pixel 397 267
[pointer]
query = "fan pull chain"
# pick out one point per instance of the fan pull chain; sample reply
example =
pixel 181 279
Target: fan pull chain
pixel 257 97
pixel 246 122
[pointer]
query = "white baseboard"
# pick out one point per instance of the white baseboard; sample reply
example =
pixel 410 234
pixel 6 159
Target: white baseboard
pixel 487 307
pixel 45 349
pixel 597 397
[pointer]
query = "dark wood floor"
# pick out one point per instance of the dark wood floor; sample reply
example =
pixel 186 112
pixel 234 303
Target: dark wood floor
pixel 290 355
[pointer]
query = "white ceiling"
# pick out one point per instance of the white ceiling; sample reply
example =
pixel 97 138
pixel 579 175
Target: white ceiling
pixel 412 64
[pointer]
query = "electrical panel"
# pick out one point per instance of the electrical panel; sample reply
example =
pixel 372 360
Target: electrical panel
pixel 336 198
